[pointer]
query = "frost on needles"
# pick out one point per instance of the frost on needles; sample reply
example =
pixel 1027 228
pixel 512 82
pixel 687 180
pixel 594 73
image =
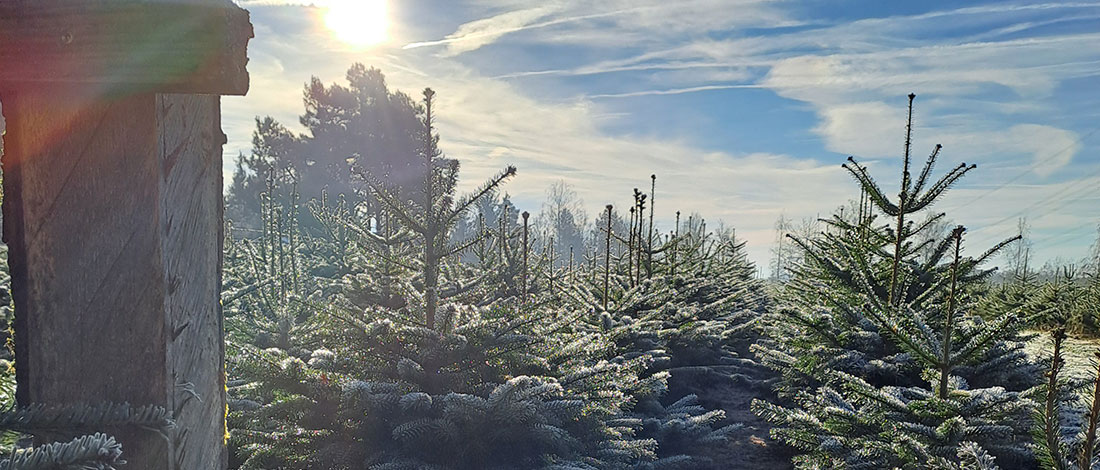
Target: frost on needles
pixel 884 360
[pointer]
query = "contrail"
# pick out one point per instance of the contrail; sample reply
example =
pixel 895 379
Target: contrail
pixel 503 31
pixel 674 91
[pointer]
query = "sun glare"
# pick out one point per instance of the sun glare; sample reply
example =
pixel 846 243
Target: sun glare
pixel 358 22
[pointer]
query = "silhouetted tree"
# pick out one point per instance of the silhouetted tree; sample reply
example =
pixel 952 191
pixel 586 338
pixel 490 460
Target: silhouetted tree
pixel 363 125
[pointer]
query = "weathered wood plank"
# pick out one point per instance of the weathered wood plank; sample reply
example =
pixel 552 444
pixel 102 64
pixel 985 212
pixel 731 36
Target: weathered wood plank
pixel 192 46
pixel 114 225
pixel 190 152
pixel 113 210
pixel 81 181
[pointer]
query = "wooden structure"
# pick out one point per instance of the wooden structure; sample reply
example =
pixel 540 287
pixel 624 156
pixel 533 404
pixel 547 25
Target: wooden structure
pixel 113 208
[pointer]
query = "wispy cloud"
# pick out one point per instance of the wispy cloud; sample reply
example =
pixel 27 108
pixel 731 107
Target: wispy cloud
pixel 649 15
pixel 475 34
pixel 674 91
pixel 990 80
pixel 479 33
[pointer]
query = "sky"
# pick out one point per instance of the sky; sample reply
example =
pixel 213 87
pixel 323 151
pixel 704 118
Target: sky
pixel 743 109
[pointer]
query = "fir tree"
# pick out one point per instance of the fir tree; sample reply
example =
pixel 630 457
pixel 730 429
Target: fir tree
pixel 91 449
pixel 270 278
pixel 883 356
pixel 1065 423
pixel 433 218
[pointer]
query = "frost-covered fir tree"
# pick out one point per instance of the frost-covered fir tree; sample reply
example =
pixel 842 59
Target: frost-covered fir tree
pixel 1067 415
pixel 271 275
pixel 884 361
pixel 433 218
pixel 511 384
pixel 689 301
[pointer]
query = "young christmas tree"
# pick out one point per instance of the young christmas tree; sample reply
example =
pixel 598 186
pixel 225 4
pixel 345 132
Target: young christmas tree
pixel 433 218
pixel 884 361
pixel 689 301
pixel 1066 421
pixel 432 383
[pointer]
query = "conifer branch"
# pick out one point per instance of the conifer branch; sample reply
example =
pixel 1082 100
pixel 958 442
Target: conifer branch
pixel 37 419
pixel 905 179
pixel 1088 445
pixel 941 186
pixel 927 171
pixel 92 452
pixel 466 201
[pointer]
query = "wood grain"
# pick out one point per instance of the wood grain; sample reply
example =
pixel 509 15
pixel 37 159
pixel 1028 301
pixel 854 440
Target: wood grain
pixel 81 181
pixel 163 46
pixel 113 211
pixel 191 227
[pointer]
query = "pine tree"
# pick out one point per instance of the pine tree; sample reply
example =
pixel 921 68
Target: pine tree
pixel 271 169
pixel 362 124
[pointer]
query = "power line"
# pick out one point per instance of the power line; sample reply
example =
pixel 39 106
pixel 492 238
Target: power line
pixel 1049 199
pixel 1071 234
pixel 1029 169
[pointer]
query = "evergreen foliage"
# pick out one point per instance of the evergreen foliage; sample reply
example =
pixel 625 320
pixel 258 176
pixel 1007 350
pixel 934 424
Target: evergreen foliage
pixel 92 452
pixel 268 280
pixel 429 383
pixel 884 361
pixel 433 218
pixel 95 451
pixel 400 394
pixel 1065 424
pixel 363 124
pixel 1074 296
pixel 693 308
pixel 371 341
pixel 409 327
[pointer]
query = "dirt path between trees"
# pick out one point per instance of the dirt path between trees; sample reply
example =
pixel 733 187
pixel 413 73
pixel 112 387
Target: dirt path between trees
pixel 750 447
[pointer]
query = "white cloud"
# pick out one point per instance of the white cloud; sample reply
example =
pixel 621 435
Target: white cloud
pixel 475 34
pixel 488 123
pixel 852 75
pixel 865 129
pixel 609 23
pixel 876 129
pixel 1052 148
pixel 1031 68
pixel 850 93
pixel 671 91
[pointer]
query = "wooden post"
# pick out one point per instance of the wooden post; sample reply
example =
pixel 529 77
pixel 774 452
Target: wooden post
pixel 113 208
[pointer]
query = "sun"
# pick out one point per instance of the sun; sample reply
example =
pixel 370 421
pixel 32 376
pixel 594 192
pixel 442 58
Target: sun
pixel 358 22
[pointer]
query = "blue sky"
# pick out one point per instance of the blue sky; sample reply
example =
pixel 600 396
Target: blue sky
pixel 744 109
